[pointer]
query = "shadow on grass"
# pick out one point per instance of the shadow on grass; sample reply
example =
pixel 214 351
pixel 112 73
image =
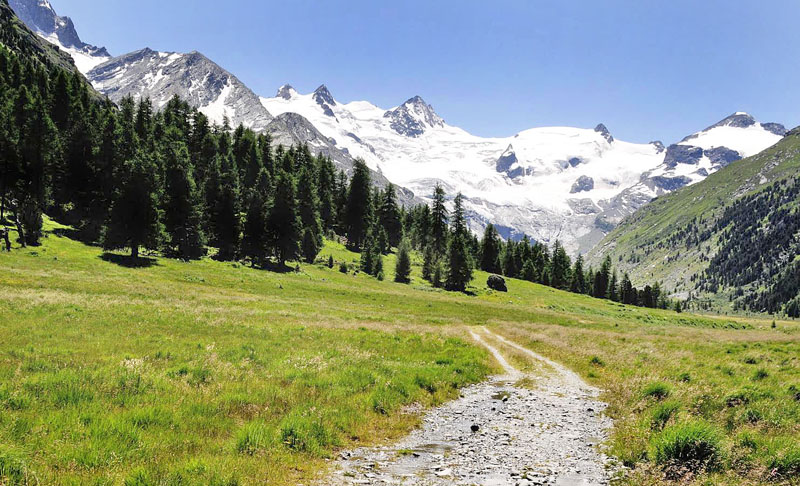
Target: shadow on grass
pixel 278 267
pixel 128 261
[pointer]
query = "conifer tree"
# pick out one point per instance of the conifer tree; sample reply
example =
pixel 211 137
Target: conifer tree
pixel 389 215
pixel 459 263
pixel 578 283
pixel 613 288
pixel 560 267
pixel 428 263
pixel 134 219
pixel 254 241
pixel 309 214
pixel 601 280
pixel 490 250
pixel 227 212
pixel 284 228
pixel 529 271
pixel 182 218
pixel 439 218
pixel 402 269
pixel 358 213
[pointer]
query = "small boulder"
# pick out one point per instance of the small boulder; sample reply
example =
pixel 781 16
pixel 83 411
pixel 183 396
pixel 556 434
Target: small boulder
pixel 496 282
pixel 475 427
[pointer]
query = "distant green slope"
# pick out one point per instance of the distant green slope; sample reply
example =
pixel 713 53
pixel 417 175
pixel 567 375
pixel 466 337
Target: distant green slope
pixel 674 238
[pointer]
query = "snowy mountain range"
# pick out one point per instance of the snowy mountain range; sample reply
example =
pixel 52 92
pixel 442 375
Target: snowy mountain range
pixel 570 184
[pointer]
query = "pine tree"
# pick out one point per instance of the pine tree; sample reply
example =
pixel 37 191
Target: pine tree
pixel 402 269
pixel 227 212
pixel 135 218
pixel 508 262
pixel 309 214
pixel 254 241
pixel 560 267
pixel 578 283
pixel 490 250
pixel 358 213
pixel 613 288
pixel 439 218
pixel 459 263
pixel 601 279
pixel 182 218
pixel 428 263
pixel 529 271
pixel 284 228
pixel 389 215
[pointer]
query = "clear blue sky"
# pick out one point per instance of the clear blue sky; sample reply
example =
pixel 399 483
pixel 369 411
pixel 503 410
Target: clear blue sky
pixel 657 69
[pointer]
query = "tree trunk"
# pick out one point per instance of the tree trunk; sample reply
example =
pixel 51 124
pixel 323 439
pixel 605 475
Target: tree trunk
pixel 135 251
pixel 20 231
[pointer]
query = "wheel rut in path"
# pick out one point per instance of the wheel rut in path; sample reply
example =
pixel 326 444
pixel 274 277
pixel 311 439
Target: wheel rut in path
pixel 548 434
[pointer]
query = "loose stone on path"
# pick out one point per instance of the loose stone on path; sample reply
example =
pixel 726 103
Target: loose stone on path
pixel 497 434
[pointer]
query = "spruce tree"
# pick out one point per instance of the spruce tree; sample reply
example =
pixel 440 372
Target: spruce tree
pixel 309 214
pixel 182 218
pixel 439 218
pixel 389 215
pixel 284 228
pixel 560 267
pixel 578 283
pixel 428 263
pixel 358 212
pixel 134 218
pixel 402 269
pixel 254 241
pixel 227 212
pixel 529 271
pixel 602 279
pixel 459 263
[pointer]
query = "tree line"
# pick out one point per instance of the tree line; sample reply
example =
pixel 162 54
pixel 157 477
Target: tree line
pixel 136 177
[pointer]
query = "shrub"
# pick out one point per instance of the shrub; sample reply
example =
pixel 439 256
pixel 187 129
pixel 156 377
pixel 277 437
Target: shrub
pixel 662 413
pixel 657 390
pixel 693 445
pixel 597 361
pixel 330 261
pixel 343 267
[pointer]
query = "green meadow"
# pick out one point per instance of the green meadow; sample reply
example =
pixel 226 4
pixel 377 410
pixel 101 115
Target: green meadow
pixel 173 373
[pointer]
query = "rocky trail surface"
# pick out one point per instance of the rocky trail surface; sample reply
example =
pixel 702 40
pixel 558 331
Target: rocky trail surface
pixel 543 430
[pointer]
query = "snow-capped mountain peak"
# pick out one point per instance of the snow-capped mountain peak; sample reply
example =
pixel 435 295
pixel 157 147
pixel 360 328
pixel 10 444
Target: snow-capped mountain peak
pixel 413 117
pixel 40 17
pixel 323 96
pixel 286 92
pixel 192 76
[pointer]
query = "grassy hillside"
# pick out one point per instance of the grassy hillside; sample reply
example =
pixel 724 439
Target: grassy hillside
pixel 214 373
pixel 672 239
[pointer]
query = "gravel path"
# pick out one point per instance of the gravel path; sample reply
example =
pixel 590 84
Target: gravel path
pixel 497 433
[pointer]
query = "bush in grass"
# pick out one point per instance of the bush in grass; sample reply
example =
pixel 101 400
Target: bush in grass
pixel 657 390
pixel 692 445
pixel 596 361
pixel 662 413
pixel 343 267
pixel 330 261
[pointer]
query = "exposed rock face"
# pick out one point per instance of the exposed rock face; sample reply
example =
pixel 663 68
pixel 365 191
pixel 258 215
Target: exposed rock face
pixel 583 206
pixel 496 282
pixel 682 154
pixel 506 160
pixel 658 145
pixel 775 128
pixel 575 161
pixel 286 91
pixel 722 156
pixel 39 15
pixel 670 183
pixel 583 184
pixel 325 100
pixel 602 130
pixel 193 77
pixel 413 117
